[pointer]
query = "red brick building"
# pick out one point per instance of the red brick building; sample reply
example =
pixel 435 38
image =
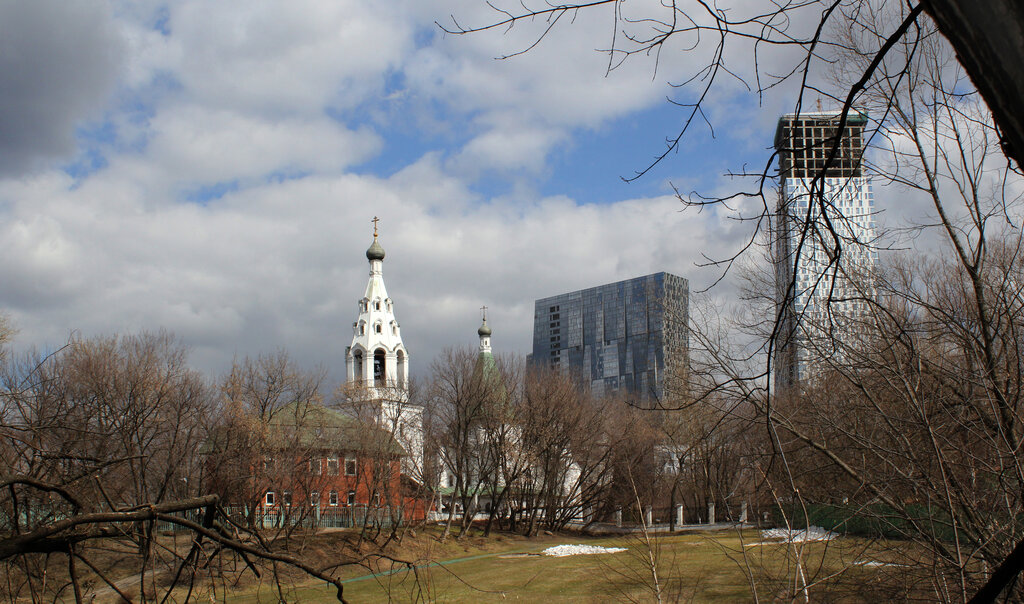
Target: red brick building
pixel 307 461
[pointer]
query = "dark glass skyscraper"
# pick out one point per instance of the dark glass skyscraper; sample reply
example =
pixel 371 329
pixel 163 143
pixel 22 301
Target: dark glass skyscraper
pixel 626 336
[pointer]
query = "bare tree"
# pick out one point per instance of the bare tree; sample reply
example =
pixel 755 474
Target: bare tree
pixel 259 444
pixel 926 370
pixel 527 448
pixel 987 41
pixel 501 380
pixel 458 407
pixel 579 449
pixel 265 385
pixel 119 417
pixel 100 445
pixel 385 453
pixel 929 429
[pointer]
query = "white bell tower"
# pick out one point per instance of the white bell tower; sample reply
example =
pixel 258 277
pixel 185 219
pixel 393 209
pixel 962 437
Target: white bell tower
pixel 378 361
pixel 377 358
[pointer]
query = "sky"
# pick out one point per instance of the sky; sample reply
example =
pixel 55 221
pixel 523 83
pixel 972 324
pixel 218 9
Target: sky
pixel 212 169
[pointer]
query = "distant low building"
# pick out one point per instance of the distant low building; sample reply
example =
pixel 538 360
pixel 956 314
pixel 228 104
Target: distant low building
pixel 624 337
pixel 305 461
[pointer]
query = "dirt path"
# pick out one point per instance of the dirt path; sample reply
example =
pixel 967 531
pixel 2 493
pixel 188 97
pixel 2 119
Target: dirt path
pixel 106 593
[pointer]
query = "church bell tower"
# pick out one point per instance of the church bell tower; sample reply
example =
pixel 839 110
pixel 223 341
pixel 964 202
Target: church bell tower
pixel 377 357
pixel 377 364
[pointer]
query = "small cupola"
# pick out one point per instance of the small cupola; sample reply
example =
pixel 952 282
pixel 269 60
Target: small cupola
pixel 485 333
pixel 375 251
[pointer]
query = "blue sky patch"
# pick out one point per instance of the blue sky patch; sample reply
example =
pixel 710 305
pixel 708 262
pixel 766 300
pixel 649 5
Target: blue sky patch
pixel 204 194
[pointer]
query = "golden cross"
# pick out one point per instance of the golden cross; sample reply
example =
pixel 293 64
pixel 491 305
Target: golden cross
pixel 375 221
pixel 484 310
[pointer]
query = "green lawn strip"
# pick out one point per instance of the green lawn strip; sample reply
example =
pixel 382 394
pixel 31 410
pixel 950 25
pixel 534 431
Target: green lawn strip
pixel 316 591
pixel 490 579
pixel 694 567
pixel 406 569
pixel 584 578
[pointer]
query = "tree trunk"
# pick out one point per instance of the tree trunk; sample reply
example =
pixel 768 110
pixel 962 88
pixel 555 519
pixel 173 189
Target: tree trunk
pixel 989 41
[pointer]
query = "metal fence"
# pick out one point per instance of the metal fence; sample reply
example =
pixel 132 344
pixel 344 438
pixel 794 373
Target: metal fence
pixel 632 517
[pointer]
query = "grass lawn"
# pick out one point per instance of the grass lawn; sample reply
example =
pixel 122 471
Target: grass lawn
pixel 694 567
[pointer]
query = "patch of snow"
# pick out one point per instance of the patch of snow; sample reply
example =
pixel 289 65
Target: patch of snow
pixel 811 533
pixel 576 550
pixel 875 563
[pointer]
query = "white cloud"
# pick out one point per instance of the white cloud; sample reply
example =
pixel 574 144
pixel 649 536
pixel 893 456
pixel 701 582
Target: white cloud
pixel 281 265
pixel 217 145
pixel 241 93
pixel 284 58
pixel 508 149
pixel 58 64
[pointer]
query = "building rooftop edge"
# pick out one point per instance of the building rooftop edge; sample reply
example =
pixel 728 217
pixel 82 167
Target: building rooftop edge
pixel 854 112
pixel 855 116
pixel 539 300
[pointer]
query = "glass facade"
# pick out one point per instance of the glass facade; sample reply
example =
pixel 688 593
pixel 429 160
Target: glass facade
pixel 817 289
pixel 624 336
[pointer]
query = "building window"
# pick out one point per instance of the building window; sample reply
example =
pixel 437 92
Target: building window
pixel 333 500
pixel 351 497
pixel 268 499
pixel 376 305
pixel 314 499
pixel 315 467
pixel 286 497
pixel 332 466
pixel 350 466
pixel 377 327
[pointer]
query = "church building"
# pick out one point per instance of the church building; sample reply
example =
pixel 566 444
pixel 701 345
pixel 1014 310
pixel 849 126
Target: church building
pixel 377 364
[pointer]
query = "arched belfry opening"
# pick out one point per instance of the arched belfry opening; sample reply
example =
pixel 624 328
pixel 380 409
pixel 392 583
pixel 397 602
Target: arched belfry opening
pixel 357 364
pixel 379 369
pixel 402 369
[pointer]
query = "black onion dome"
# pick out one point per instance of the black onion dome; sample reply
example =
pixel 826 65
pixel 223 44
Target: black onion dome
pixel 375 251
